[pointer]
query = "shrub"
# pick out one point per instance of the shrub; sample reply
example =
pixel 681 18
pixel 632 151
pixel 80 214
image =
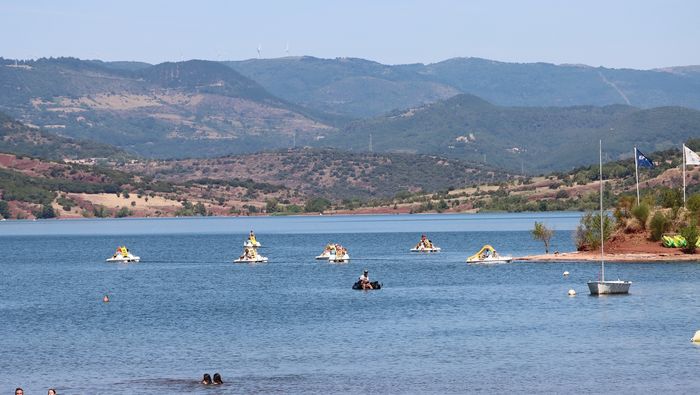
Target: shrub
pixel 693 203
pixel 671 198
pixel 123 212
pixel 690 233
pixel 641 212
pixel 99 211
pixel 293 208
pixel 659 225
pixel 588 232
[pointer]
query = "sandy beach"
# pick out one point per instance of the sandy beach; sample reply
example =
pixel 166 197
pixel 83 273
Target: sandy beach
pixel 673 255
pixel 631 247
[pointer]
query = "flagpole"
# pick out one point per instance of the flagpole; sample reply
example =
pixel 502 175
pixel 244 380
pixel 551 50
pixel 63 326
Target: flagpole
pixel 683 175
pixel 636 172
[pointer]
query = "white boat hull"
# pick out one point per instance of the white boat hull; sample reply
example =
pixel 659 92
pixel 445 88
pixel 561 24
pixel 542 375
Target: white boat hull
pixel 260 259
pixel 434 249
pixel 124 259
pixel 490 260
pixel 617 287
pixel 323 256
pixel 334 258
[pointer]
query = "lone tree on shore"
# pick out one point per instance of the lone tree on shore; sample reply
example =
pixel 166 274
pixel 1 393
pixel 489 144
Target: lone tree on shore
pixel 541 232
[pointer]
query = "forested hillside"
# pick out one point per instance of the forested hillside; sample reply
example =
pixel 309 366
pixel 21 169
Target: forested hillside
pixel 193 108
pixel 528 139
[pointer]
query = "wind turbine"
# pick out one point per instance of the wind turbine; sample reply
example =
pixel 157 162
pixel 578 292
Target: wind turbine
pixel 286 49
pixel 259 50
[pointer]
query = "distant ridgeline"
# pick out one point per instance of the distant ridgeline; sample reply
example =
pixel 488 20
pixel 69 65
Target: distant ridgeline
pixel 363 88
pixel 207 109
pixel 529 139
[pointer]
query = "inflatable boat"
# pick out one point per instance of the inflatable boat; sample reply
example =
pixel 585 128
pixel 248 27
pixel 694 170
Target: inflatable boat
pixel 375 285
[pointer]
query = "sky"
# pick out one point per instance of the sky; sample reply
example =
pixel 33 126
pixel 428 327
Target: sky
pixel 641 34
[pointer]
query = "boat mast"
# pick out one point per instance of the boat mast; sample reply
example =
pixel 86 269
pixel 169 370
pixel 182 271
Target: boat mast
pixel 636 172
pixel 602 229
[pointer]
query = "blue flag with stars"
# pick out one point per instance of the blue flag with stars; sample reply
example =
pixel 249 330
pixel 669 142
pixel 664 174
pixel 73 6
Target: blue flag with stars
pixel 643 161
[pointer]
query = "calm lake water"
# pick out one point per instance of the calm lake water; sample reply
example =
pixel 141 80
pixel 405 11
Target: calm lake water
pixel 295 326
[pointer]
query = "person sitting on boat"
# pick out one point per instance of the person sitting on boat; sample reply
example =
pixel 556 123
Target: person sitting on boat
pixel 364 280
pixel 424 243
pixel 487 253
pixel 248 253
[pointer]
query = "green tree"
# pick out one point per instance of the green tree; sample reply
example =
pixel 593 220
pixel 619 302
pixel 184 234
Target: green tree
pixel 46 212
pixel 199 209
pixel 317 205
pixel 690 233
pixel 541 232
pixel 272 205
pixel 4 209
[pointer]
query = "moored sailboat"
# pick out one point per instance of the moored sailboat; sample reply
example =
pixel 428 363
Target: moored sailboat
pixel 603 287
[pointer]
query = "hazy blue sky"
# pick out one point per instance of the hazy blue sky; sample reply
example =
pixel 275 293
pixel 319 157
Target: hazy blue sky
pixel 613 33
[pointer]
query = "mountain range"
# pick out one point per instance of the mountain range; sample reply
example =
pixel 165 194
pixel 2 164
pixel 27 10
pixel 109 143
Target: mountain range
pixel 363 88
pixel 532 117
pixel 529 139
pixel 193 108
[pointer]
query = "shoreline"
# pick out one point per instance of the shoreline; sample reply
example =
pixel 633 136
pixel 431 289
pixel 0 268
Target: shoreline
pixel 593 256
pixel 258 215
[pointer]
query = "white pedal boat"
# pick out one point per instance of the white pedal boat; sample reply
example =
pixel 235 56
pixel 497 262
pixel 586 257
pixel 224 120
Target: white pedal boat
pixel 339 259
pixel 487 255
pixel 424 249
pixel 324 255
pixel 491 260
pixel 257 259
pixel 124 259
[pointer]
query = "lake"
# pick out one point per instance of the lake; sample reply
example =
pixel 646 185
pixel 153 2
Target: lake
pixel 294 325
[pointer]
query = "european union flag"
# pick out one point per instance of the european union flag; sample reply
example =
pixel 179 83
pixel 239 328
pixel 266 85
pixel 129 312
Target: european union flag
pixel 643 161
